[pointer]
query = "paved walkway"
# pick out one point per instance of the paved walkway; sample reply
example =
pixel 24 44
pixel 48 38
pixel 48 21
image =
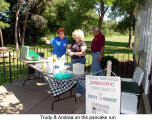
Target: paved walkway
pixel 34 98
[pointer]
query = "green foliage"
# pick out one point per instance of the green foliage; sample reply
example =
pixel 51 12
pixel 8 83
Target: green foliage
pixel 126 9
pixel 80 14
pixel 39 21
pixel 46 16
pixel 3 6
pixel 70 14
pixel 108 2
pixel 4 25
pixel 105 59
pixel 109 28
pixel 125 24
pixel 91 20
pixel 55 14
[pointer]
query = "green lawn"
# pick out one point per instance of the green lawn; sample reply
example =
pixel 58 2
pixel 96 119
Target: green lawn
pixel 114 44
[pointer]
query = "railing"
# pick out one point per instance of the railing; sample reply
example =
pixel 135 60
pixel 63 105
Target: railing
pixel 12 69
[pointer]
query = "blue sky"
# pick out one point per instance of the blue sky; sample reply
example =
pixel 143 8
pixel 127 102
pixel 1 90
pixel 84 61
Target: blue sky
pixel 107 14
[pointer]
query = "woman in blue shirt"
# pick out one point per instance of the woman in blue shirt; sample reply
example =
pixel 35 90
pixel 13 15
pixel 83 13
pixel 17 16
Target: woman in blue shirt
pixel 59 43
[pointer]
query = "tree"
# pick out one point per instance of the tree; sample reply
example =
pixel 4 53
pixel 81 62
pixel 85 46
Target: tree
pixel 126 9
pixel 25 21
pixel 37 20
pixel 127 24
pixel 102 7
pixel 26 29
pixel 16 23
pixel 3 7
pixel 78 14
pixel 39 17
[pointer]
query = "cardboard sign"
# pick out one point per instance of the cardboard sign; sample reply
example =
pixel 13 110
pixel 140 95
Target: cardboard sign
pixel 103 95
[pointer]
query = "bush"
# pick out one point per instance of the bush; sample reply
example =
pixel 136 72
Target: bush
pixel 108 28
pixel 105 59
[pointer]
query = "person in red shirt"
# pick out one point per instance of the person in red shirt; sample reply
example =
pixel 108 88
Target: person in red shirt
pixel 97 49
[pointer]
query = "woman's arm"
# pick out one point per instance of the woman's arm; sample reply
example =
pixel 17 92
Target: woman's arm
pixel 46 41
pixel 68 48
pixel 82 53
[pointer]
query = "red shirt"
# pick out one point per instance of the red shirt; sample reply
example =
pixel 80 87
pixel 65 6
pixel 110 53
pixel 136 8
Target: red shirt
pixel 97 43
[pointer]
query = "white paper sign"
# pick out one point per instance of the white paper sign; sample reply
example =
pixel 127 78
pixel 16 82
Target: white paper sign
pixel 103 95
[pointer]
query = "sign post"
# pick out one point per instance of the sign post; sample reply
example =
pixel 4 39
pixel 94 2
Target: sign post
pixel 103 95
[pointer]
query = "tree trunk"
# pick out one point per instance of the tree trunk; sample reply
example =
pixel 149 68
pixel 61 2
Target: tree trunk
pixel 35 40
pixel 1 36
pixel 25 22
pixel 100 22
pixel 130 37
pixel 19 35
pixel 16 24
pixel 101 13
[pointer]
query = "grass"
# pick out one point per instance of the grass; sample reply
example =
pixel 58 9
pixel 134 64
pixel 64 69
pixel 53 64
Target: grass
pixel 115 46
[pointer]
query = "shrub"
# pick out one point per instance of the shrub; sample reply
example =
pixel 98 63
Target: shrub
pixel 105 59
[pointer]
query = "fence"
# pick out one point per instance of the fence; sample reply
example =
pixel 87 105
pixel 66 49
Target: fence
pixel 11 68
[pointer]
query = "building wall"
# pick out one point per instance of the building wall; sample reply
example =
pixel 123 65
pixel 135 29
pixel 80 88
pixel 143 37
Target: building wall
pixel 143 42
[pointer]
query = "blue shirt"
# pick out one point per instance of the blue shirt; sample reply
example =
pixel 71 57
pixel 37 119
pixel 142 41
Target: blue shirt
pixel 59 46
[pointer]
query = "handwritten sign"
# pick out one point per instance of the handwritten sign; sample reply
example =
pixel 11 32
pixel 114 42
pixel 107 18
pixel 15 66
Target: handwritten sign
pixel 102 95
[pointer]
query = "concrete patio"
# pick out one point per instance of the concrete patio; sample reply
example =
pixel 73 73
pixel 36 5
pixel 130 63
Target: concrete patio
pixel 35 98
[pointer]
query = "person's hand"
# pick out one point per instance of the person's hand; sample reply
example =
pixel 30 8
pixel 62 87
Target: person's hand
pixel 99 58
pixel 68 50
pixel 44 38
pixel 71 53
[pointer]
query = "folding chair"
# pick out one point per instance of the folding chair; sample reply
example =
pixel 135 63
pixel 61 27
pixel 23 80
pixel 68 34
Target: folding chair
pixel 131 92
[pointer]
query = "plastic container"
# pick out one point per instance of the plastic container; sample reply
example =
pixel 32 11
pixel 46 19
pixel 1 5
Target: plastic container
pixel 49 67
pixel 33 56
pixel 78 68
pixel 62 76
